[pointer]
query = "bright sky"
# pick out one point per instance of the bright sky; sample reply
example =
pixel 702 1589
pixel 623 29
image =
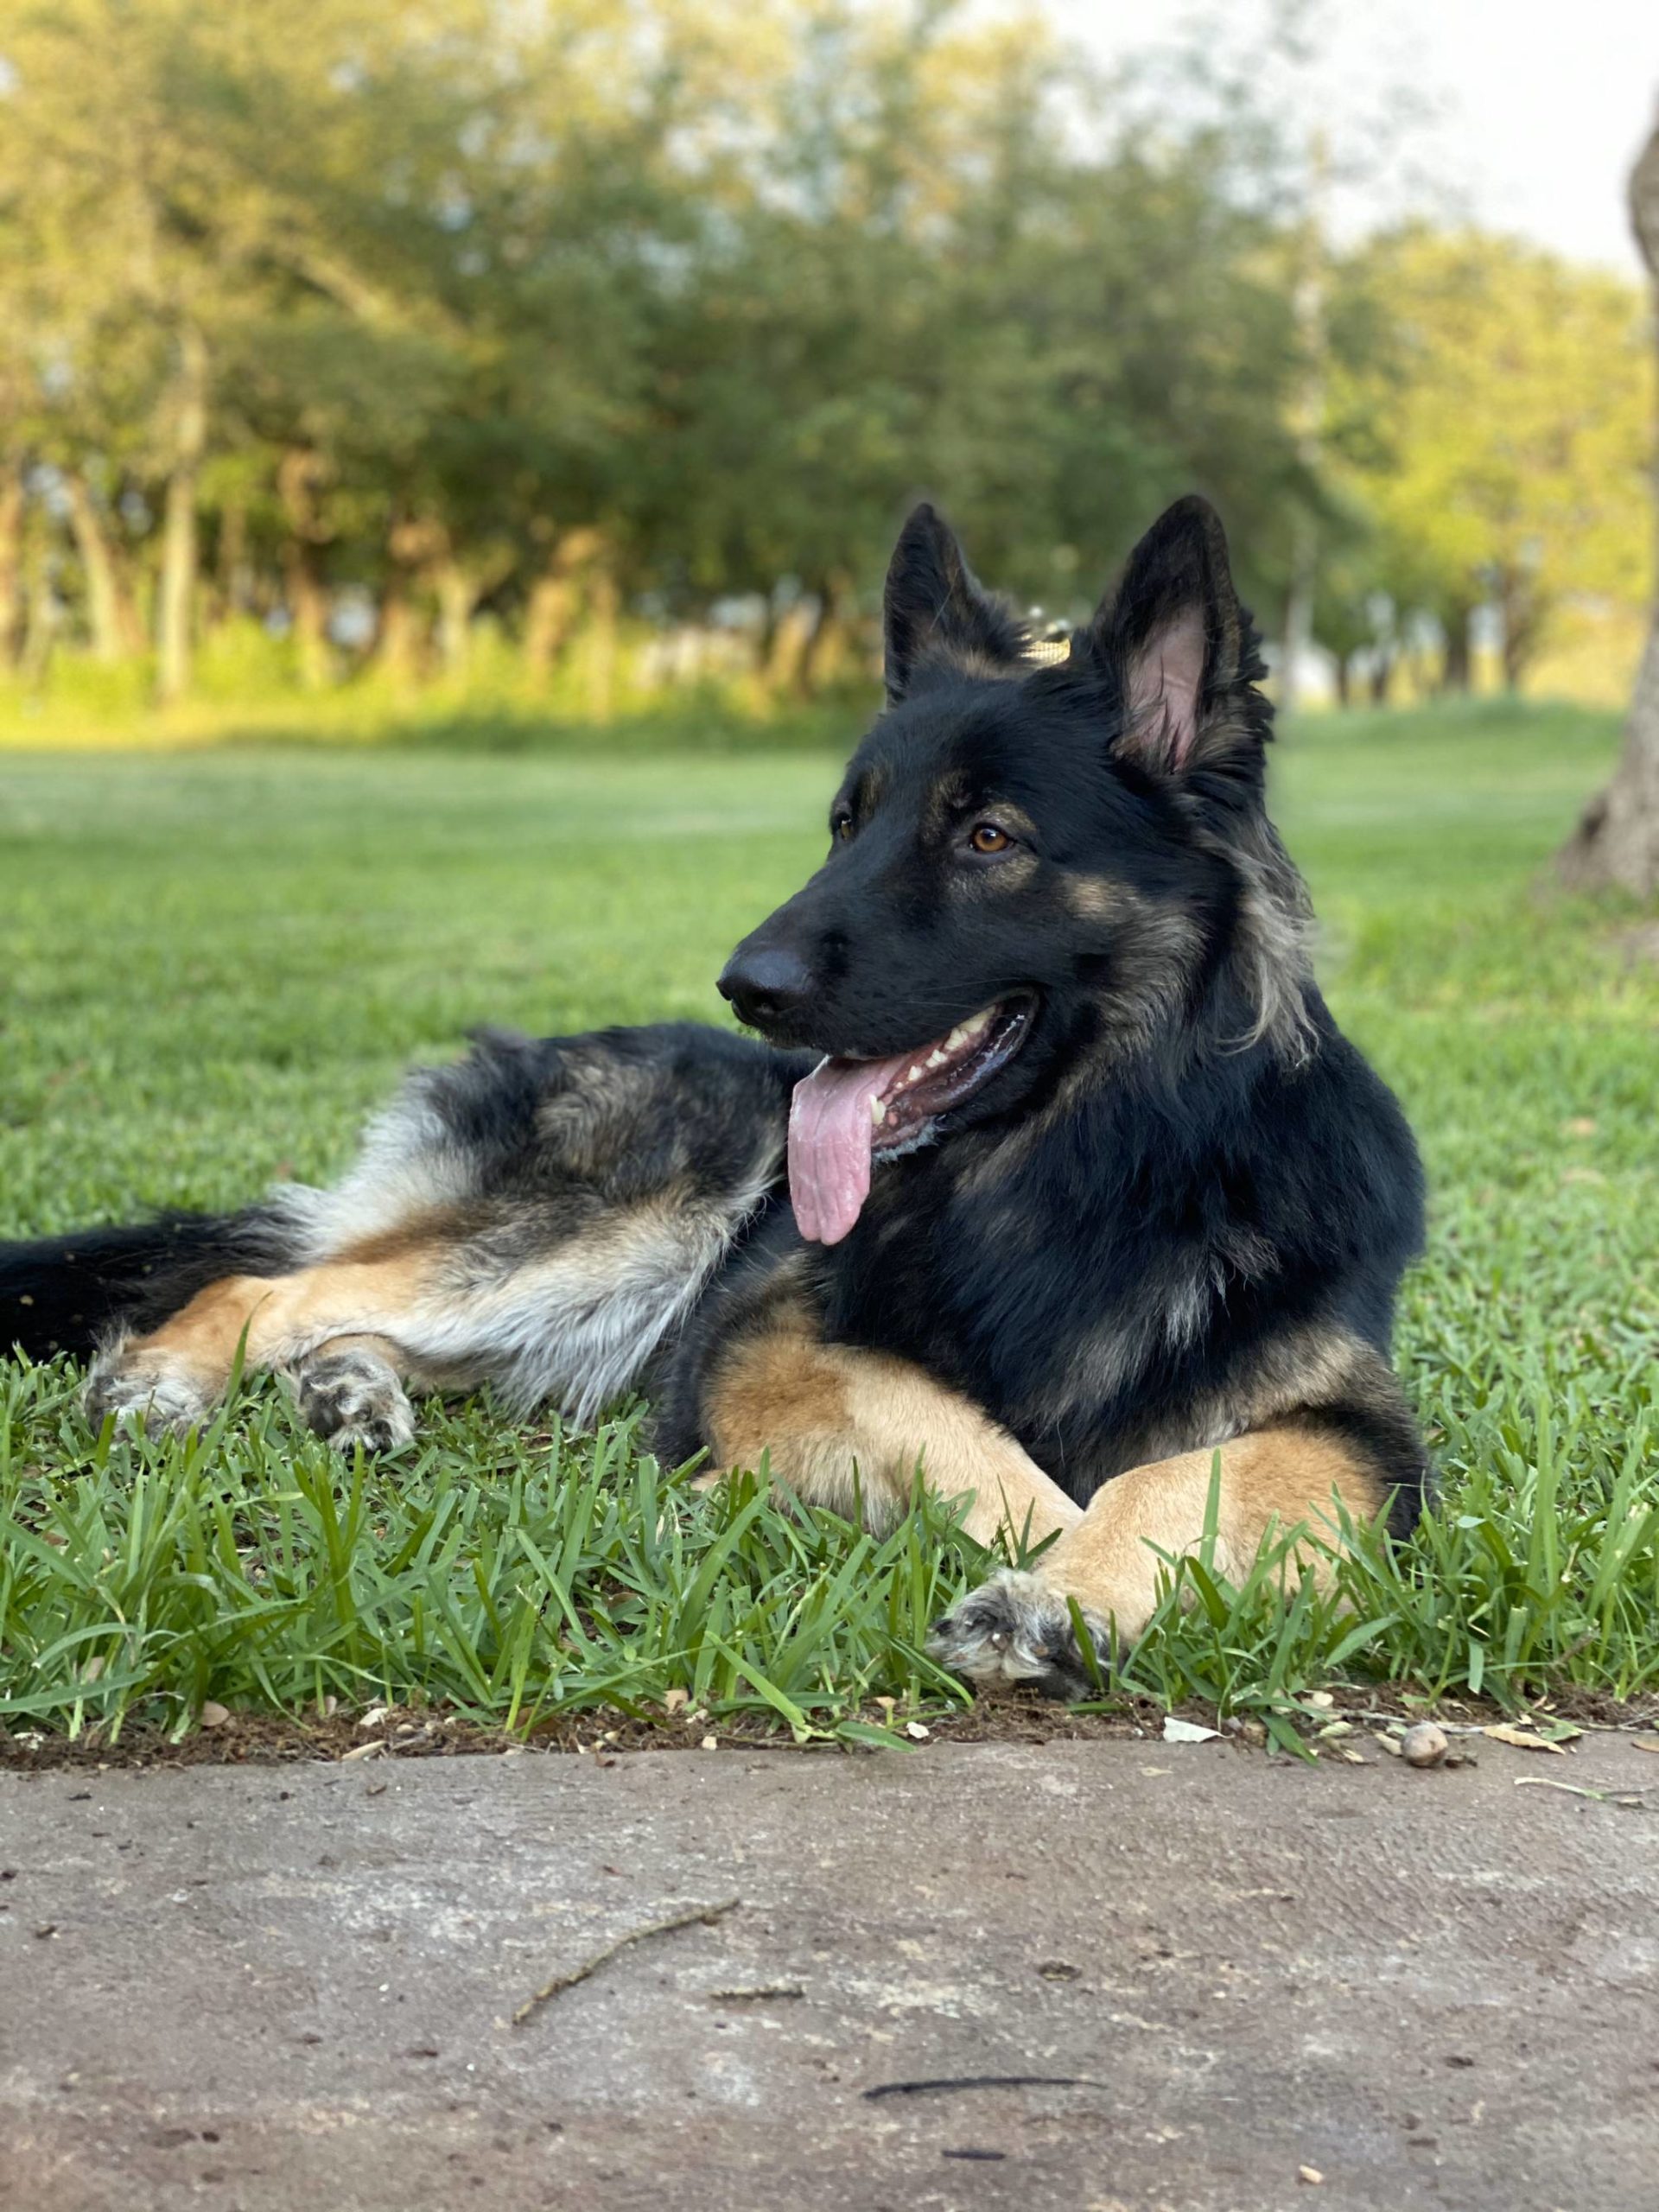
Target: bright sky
pixel 1534 108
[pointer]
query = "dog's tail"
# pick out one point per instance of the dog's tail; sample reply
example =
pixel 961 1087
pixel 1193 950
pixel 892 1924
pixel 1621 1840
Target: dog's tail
pixel 67 1294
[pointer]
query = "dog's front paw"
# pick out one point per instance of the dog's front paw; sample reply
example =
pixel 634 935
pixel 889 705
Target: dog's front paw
pixel 351 1398
pixel 144 1393
pixel 1017 1628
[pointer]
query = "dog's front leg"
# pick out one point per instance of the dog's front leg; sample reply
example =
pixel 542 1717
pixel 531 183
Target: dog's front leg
pixel 1019 1627
pixel 848 1429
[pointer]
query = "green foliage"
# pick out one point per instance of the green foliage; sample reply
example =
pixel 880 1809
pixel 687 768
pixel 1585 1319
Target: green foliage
pixel 1504 442
pixel 575 313
pixel 219 962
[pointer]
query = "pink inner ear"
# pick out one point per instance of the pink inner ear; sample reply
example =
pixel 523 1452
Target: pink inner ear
pixel 1165 675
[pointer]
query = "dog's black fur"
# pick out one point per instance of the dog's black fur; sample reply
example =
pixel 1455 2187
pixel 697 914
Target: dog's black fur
pixel 1178 1204
pixel 1185 1168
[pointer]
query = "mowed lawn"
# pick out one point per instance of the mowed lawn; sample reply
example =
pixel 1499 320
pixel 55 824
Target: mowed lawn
pixel 215 962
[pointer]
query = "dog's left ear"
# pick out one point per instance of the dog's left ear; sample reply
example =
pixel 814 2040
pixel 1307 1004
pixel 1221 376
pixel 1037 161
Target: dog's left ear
pixel 1178 644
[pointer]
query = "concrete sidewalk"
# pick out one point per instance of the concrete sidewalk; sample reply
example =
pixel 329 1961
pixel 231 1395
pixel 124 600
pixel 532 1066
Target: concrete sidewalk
pixel 1078 1976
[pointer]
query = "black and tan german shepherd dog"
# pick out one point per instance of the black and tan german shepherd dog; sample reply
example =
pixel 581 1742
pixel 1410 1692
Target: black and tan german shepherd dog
pixel 1053 1171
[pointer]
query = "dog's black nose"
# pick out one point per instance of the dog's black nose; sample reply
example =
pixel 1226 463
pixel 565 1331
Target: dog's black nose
pixel 766 985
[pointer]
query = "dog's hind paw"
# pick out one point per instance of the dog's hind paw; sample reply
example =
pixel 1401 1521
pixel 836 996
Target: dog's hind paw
pixel 144 1393
pixel 1017 1628
pixel 353 1397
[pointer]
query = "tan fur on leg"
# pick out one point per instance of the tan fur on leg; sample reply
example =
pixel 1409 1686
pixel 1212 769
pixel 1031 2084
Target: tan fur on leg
pixel 1018 1628
pixel 838 1424
pixel 174 1376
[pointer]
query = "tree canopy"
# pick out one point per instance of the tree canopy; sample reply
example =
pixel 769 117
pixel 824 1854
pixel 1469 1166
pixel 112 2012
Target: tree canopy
pixel 555 309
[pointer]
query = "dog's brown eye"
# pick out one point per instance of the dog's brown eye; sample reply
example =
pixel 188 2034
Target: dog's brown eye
pixel 841 828
pixel 986 837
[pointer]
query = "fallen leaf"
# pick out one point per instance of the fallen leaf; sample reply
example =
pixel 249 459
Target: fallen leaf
pixel 1522 1739
pixel 710 1743
pixel 363 1751
pixel 213 1716
pixel 1647 1743
pixel 1186 1732
pixel 675 1700
pixel 915 1730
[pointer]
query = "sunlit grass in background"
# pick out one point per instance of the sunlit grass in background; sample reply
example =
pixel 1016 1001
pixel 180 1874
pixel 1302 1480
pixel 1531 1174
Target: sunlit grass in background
pixel 217 961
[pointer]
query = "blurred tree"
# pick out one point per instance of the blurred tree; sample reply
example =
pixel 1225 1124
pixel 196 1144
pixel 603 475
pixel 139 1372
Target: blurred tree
pixel 1511 437
pixel 1616 845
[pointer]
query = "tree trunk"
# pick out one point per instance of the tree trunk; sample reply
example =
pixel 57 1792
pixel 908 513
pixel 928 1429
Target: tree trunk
pixel 605 605
pixel 458 595
pixel 1345 680
pixel 1299 613
pixel 556 600
pixel 308 612
pixel 1522 627
pixel 1457 667
pixel 109 617
pixel 1616 845
pixel 791 646
pixel 234 580
pixel 397 654
pixel 1382 678
pixel 825 648
pixel 299 475
pixel 180 549
pixel 12 497
pixel 42 613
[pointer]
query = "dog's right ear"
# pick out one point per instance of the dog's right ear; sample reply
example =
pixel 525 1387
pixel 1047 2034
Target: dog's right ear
pixel 937 615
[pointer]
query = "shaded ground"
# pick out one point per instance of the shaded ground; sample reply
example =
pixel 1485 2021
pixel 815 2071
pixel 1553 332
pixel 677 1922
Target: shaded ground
pixel 1079 1975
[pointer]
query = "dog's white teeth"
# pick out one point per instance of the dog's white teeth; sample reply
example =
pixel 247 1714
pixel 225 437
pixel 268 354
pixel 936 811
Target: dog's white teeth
pixel 937 1058
pixel 915 1076
pixel 878 1111
pixel 977 1022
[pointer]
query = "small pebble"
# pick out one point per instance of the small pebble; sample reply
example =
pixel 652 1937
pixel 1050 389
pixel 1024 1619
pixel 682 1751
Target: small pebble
pixel 1423 1744
pixel 1309 2174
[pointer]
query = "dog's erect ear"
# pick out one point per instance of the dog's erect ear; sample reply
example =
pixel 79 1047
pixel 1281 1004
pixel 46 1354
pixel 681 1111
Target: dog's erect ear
pixel 937 613
pixel 1178 642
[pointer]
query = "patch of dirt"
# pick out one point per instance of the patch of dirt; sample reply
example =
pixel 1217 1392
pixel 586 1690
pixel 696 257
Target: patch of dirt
pixel 1009 1717
pixel 274 1739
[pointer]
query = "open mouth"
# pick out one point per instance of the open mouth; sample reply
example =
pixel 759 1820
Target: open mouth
pixel 848 1113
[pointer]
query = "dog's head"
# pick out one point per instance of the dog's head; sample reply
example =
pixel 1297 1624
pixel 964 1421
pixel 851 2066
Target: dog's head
pixel 1029 861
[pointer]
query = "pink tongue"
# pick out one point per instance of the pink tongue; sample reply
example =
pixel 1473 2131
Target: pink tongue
pixel 830 1136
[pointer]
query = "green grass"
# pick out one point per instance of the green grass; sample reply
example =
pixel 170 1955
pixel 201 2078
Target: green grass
pixel 217 961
